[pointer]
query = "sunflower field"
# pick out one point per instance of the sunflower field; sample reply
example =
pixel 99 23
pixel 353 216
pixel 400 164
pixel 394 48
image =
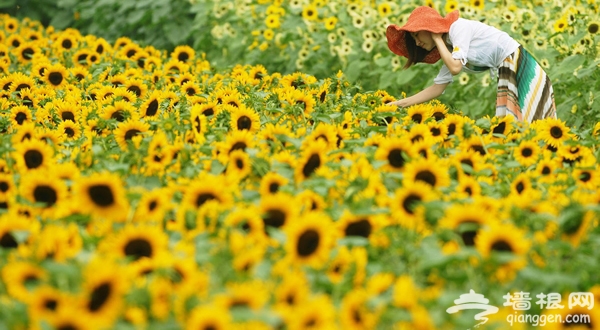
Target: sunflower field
pixel 173 188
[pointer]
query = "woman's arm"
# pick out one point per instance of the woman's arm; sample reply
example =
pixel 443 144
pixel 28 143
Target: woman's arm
pixel 425 95
pixel 453 65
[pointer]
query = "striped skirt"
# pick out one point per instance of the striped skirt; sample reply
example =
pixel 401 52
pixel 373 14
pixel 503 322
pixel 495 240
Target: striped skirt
pixel 524 89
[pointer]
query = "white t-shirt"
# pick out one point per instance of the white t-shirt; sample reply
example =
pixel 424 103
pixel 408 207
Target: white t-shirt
pixel 478 46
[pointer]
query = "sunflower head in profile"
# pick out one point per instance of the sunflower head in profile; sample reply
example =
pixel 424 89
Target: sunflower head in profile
pixel 310 239
pixel 101 195
pixel 395 152
pixel 33 154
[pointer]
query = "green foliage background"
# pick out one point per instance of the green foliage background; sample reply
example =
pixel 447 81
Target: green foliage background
pixel 231 32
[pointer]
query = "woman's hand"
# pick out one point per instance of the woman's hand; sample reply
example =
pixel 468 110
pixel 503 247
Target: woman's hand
pixel 400 103
pixel 437 38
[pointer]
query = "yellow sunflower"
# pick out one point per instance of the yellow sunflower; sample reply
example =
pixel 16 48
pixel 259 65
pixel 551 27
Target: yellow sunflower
pixel 21 278
pixel 270 183
pixel 153 206
pixel 150 108
pixel 554 132
pixel 184 54
pixel 102 292
pixel 209 317
pixel 503 238
pixel 312 158
pixel 431 171
pixel 245 118
pixel 396 152
pixel 277 210
pixel 103 195
pixel 20 115
pixel 55 75
pixel 238 165
pixel 406 204
pixel 310 239
pixel 527 153
pixel 207 188
pixel 135 243
pixel 46 191
pixel 128 130
pixel 33 154
pixel 466 220
pixel 355 312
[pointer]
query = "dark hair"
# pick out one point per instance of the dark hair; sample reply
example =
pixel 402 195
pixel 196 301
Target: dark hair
pixel 416 54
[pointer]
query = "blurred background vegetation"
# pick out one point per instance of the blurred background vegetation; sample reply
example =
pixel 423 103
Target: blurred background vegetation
pixel 320 37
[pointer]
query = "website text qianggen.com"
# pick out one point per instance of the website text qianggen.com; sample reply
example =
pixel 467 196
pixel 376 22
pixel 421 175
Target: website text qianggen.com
pixel 542 320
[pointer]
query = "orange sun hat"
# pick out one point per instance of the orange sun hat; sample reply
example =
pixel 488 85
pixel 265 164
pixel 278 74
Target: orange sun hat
pixel 423 18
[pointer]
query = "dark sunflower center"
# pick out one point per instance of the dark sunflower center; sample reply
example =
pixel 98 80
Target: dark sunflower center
pixel 556 132
pixel 308 243
pixel 409 203
pixel 183 56
pixel 152 108
pixel 435 131
pixel 273 187
pixel 546 170
pixel 67 44
pixel 239 164
pixel 101 195
pixel 135 89
pixel 50 304
pixel 314 161
pixel 395 158
pixel 500 128
pixel 203 198
pixel 520 187
pixel 138 248
pixel 526 152
pixel 585 176
pixel 361 228
pixel 20 118
pixel 67 115
pixel 33 159
pixel 593 28
pixel 118 115
pixel 208 112
pixel 4 186
pixel 67 326
pixel 152 205
pixel 28 53
pixel 244 123
pixel 417 117
pixel 69 131
pixel 99 296
pixel 274 218
pixel 45 194
pixel 501 245
pixel 238 146
pixel 131 133
pixel 8 241
pixel 55 78
pixel 427 177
